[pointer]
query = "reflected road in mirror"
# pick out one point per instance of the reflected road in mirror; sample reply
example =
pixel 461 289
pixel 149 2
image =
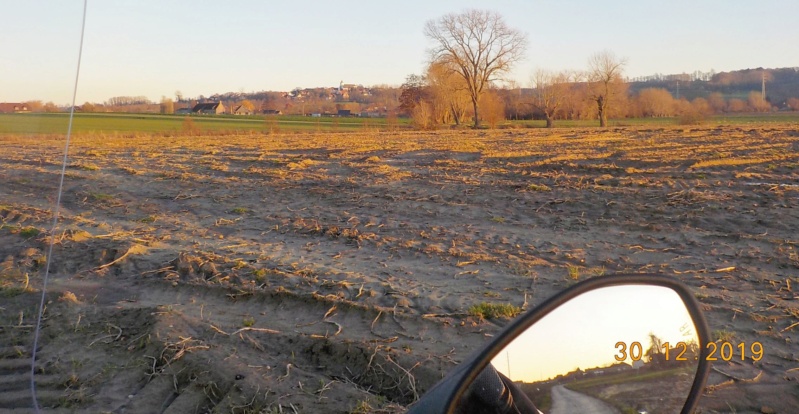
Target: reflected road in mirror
pixel 566 401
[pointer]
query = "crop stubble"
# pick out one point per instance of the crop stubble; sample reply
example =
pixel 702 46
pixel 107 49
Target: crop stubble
pixel 336 271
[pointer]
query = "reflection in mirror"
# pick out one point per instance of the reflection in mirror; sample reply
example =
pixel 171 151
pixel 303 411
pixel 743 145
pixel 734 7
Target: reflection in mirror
pixel 620 349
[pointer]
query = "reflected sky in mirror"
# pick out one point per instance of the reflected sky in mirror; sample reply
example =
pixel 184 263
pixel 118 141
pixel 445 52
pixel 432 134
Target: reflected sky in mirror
pixel 584 332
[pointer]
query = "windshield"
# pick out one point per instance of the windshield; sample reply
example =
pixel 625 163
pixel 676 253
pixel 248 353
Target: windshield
pixel 313 207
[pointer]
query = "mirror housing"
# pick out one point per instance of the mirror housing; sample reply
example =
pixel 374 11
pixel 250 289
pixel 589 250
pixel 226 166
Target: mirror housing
pixel 443 397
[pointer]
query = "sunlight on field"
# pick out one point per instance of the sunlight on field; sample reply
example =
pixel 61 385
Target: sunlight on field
pixel 391 245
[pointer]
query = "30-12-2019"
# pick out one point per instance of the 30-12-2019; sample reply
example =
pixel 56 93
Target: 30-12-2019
pixel 724 351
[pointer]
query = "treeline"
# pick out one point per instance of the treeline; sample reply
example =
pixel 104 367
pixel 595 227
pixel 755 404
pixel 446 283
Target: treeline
pixel 438 97
pixel 381 100
pixel 781 85
pixel 130 104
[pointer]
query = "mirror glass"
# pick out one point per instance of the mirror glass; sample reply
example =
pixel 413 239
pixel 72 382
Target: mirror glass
pixel 620 349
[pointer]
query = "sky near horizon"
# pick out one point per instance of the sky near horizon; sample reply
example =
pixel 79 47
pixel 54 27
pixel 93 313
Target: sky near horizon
pixel 153 48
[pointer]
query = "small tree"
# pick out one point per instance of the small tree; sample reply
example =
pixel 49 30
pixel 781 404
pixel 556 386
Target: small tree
pixel 514 101
pixel 248 105
pixel 701 106
pixel 605 80
pixel 693 113
pixel 736 105
pixel 717 102
pixel 87 107
pixel 655 354
pixel 493 108
pixel 422 115
pixel 655 102
pixel 35 106
pixel 167 105
pixel 578 104
pixel 189 128
pixel 414 91
pixel 757 103
pixel 551 91
pixel 448 92
pixel 479 46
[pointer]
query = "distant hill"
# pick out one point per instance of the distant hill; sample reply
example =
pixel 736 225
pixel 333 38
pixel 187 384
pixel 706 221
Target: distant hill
pixel 781 84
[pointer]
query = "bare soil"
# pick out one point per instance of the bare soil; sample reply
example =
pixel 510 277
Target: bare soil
pixel 334 272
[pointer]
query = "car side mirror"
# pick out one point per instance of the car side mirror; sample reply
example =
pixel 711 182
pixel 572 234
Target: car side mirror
pixel 628 343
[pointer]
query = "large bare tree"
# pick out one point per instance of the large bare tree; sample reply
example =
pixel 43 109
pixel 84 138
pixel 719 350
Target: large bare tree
pixel 605 78
pixel 478 45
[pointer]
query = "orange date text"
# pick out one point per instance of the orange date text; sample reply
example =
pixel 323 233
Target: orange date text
pixel 681 351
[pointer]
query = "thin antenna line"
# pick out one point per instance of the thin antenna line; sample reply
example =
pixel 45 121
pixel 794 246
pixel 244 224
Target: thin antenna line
pixel 507 357
pixel 55 216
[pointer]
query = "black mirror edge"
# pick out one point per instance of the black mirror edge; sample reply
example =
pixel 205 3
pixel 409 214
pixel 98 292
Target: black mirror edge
pixel 449 389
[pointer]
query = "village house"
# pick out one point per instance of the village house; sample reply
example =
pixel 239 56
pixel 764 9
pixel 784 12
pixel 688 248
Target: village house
pixel 13 108
pixel 241 110
pixel 213 108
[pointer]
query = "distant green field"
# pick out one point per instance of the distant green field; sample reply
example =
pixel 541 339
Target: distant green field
pixel 56 123
pixel 779 117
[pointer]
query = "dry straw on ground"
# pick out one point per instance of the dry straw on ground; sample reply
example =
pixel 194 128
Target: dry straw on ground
pixel 203 266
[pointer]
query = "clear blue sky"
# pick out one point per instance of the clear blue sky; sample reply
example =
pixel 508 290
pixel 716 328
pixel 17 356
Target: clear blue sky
pixel 155 47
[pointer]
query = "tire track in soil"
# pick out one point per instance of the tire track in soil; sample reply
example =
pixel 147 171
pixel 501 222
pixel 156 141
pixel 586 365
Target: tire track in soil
pixel 150 347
